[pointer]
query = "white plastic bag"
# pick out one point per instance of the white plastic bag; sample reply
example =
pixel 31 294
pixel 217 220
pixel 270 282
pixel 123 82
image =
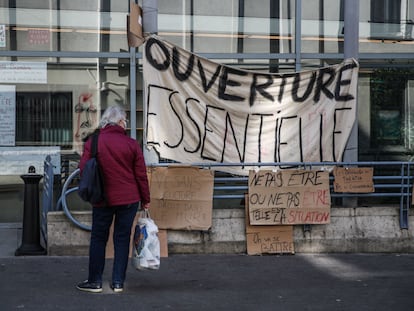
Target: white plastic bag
pixel 146 250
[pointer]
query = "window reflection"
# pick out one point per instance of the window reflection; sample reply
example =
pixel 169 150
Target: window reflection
pixel 64 26
pixel 44 118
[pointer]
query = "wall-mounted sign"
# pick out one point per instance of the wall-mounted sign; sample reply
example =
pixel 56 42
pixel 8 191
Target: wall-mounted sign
pixel 2 36
pixel 23 72
pixel 7 115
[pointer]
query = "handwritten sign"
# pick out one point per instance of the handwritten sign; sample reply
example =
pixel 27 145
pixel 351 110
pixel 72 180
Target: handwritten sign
pixel 204 112
pixel 181 197
pixel 268 239
pixel 353 179
pixel 7 115
pixel 278 240
pixel 289 197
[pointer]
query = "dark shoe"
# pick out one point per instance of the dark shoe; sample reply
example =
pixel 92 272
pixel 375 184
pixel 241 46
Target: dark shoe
pixel 87 286
pixel 117 288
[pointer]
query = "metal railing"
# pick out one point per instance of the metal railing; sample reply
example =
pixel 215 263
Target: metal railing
pixel 393 183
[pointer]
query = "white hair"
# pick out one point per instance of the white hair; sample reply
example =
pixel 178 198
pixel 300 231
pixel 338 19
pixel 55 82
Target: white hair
pixel 112 115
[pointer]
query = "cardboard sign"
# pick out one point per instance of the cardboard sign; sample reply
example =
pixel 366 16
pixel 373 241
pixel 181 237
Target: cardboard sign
pixel 412 196
pixel 353 179
pixel 288 197
pixel 182 197
pixel 268 239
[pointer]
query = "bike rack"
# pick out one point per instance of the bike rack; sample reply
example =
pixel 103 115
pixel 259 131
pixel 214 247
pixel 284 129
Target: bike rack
pixel 62 200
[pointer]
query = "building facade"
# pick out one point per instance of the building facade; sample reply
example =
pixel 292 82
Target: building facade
pixel 64 61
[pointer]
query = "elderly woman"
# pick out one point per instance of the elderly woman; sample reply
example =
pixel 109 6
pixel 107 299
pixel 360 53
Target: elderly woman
pixel 126 184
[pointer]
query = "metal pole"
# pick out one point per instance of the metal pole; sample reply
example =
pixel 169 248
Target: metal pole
pixel 150 26
pixel 31 216
pixel 351 46
pixel 133 91
pixel 150 16
pixel 298 35
pixel 351 29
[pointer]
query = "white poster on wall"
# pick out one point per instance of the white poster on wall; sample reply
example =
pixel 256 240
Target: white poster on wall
pixel 2 36
pixel 23 72
pixel 7 115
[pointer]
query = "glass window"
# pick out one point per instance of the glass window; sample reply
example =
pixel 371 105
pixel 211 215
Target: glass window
pixel 387 103
pixel 65 25
pixel 386 26
pixel 44 118
pixel 322 26
pixel 59 103
pixel 386 99
pixel 243 26
pixel 385 18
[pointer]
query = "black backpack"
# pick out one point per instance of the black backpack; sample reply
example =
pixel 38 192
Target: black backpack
pixel 91 185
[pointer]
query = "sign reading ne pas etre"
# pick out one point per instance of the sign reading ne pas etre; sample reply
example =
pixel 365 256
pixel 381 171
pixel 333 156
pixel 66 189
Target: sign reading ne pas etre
pixel 289 197
pixel 202 111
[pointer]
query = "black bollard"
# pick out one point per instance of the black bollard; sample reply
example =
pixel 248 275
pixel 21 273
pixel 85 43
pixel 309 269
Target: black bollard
pixel 31 216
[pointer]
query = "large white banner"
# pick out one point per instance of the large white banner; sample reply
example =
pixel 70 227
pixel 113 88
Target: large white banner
pixel 200 111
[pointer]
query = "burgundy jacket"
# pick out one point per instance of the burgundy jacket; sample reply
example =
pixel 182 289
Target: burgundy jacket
pixel 122 164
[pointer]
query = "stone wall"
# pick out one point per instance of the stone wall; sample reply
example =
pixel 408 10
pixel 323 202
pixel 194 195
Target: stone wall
pixel 362 229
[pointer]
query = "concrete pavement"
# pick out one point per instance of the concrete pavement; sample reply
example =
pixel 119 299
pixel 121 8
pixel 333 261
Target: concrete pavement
pixel 359 282
pixel 10 238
